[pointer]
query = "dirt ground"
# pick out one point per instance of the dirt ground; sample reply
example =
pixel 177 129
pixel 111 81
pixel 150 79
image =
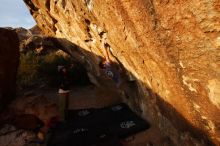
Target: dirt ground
pixel 42 102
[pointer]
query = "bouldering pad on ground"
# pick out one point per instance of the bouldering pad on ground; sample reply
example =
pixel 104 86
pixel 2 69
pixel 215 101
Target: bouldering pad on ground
pixel 94 127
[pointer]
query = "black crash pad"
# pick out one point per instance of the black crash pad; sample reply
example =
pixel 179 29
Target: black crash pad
pixel 97 127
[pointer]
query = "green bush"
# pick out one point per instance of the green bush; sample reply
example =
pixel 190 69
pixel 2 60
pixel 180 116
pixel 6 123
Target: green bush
pixel 28 69
pixel 35 69
pixel 48 68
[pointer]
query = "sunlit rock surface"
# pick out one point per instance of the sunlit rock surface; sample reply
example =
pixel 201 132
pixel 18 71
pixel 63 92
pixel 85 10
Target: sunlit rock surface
pixel 172 48
pixel 9 58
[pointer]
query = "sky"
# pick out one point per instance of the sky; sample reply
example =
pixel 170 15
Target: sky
pixel 14 13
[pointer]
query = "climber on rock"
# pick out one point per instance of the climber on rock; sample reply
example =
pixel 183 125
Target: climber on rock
pixel 109 68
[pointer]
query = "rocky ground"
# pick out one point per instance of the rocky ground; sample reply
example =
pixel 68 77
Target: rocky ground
pixel 42 102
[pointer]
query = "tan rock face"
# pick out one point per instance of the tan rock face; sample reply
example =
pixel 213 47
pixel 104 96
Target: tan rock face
pixel 172 48
pixel 9 58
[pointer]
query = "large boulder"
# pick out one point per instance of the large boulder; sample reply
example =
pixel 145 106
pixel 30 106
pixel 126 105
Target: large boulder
pixel 9 54
pixel 171 48
pixel 33 40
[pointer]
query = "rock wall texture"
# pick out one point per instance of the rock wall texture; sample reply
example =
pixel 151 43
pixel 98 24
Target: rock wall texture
pixel 33 39
pixel 9 58
pixel 171 47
